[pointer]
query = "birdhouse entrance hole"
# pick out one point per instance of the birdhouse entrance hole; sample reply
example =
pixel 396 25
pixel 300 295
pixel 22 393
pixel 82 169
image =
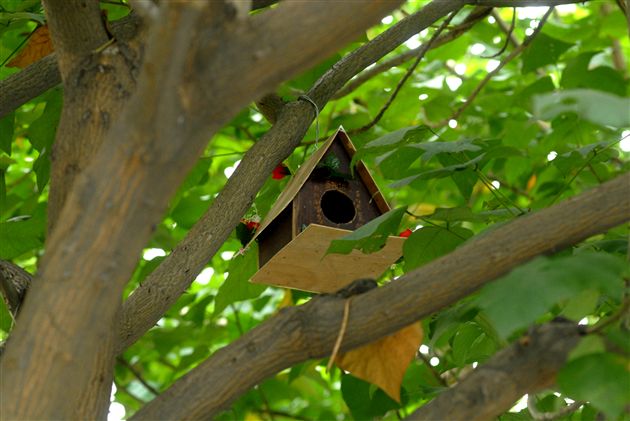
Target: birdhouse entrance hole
pixel 337 207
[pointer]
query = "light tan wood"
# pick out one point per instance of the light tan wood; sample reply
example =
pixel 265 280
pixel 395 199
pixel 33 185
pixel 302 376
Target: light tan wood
pixel 302 264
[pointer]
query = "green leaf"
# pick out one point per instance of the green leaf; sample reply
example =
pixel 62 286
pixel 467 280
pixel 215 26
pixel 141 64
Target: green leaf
pixel 594 106
pixel 458 214
pixel 429 243
pixel 41 167
pixel 6 132
pixel 519 298
pixel 237 286
pixel 42 131
pixel 542 51
pixel 579 73
pixel 362 404
pixel 394 140
pixel 20 236
pixel 370 237
pixel 601 379
pixel 438 173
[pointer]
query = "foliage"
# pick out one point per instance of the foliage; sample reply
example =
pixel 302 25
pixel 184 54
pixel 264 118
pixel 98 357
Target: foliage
pixel 551 124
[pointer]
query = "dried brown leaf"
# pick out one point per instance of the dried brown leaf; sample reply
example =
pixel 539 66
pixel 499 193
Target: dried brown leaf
pixel 39 45
pixel 385 361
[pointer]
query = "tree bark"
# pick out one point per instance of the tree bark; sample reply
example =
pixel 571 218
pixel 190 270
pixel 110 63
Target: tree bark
pixel 309 331
pixel 528 365
pixel 203 64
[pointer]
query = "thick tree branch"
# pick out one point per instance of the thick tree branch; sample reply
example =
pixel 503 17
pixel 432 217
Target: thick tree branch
pixel 42 75
pixel 299 333
pixel 528 365
pixel 76 27
pixel 164 286
pixel 203 64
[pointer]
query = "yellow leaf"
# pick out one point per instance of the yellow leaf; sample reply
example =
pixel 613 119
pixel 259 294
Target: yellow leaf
pixel 531 183
pixel 385 361
pixel 39 45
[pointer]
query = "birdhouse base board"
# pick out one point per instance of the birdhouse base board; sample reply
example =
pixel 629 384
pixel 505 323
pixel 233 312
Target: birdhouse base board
pixel 303 263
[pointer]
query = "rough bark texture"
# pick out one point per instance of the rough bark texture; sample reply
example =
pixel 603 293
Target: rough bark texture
pixel 44 74
pixel 164 286
pixel 309 331
pixel 203 64
pixel 14 282
pixel 97 85
pixel 529 365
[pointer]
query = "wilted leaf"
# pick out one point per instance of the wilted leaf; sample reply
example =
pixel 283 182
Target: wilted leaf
pixel 385 361
pixel 370 237
pixel 39 45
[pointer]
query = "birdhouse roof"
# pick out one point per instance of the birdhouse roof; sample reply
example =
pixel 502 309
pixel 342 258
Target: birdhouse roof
pixel 297 181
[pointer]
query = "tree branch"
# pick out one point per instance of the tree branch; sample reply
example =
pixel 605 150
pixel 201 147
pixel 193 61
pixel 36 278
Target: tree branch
pixel 473 17
pixel 198 72
pixel 518 50
pixel 528 365
pixel 76 27
pixel 14 283
pixel 166 283
pixel 308 331
pixel 42 75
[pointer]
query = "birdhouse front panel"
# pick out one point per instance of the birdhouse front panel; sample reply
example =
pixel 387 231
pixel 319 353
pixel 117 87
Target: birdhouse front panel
pixel 334 195
pixel 323 201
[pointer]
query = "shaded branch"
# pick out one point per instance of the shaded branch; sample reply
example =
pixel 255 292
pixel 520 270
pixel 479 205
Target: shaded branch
pixel 14 283
pixel 177 271
pixel 523 3
pixel 528 365
pixel 137 375
pixel 34 80
pixel 299 333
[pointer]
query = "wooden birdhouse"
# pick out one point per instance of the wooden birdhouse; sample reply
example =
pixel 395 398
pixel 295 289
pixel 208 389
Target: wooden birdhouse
pixel 323 201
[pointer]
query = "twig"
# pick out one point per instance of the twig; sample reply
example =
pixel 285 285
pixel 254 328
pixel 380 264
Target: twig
pixel 509 32
pixel 491 74
pixel 137 375
pixel 433 371
pixel 625 306
pixel 126 390
pixel 342 332
pixel 421 52
pixel 549 416
pixel 475 16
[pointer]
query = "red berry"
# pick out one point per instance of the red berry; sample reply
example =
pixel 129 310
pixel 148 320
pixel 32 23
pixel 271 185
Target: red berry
pixel 406 233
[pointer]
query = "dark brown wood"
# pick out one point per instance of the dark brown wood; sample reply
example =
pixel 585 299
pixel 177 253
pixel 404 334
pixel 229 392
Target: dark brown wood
pixel 343 201
pixel 277 236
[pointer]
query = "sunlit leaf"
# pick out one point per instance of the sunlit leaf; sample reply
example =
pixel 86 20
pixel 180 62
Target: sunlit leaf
pixel 370 237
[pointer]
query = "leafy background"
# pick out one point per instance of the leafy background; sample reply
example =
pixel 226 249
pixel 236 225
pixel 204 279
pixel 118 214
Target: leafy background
pixel 550 124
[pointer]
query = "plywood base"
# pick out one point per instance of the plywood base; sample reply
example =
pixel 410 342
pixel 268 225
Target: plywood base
pixel 302 264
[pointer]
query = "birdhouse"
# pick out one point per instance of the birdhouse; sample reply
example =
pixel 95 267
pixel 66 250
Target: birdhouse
pixel 322 202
